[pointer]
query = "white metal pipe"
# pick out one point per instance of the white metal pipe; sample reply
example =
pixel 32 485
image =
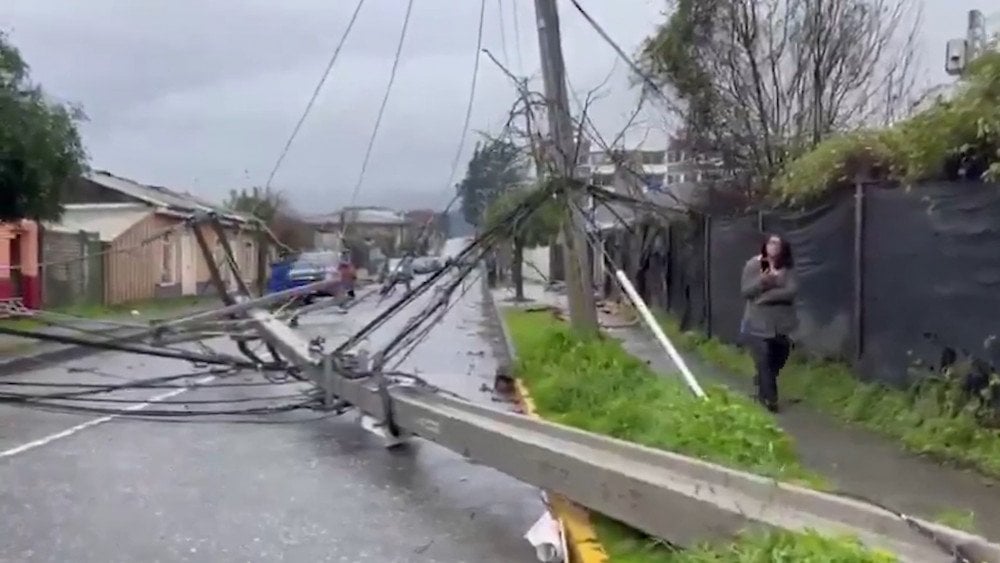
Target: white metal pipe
pixel 647 316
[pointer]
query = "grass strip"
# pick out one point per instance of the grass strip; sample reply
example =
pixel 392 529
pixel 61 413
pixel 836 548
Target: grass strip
pixel 595 385
pixel 920 420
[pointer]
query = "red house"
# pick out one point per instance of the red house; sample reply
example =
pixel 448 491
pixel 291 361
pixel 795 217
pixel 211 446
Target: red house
pixel 19 263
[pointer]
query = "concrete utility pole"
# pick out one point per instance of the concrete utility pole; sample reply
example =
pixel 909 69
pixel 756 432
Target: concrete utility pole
pixel 583 313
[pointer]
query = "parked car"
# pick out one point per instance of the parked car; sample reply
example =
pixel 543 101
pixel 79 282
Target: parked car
pixel 426 265
pixel 304 269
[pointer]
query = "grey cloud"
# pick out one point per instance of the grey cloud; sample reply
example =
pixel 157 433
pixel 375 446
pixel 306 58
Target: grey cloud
pixel 202 95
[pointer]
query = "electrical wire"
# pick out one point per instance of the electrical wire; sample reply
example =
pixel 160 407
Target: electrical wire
pixel 408 348
pixel 649 82
pixel 529 204
pixel 503 32
pixel 118 346
pixel 128 413
pixel 382 107
pixel 957 552
pixel 517 36
pixel 312 99
pixel 456 160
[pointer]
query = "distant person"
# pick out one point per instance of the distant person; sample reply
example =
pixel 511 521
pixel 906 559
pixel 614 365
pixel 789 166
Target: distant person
pixel 769 285
pixel 406 271
pixel 348 276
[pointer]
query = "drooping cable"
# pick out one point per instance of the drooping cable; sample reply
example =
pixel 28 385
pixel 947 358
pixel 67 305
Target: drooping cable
pixel 312 99
pixel 384 104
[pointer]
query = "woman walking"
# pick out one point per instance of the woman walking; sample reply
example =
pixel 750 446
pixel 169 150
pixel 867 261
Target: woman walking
pixel 769 286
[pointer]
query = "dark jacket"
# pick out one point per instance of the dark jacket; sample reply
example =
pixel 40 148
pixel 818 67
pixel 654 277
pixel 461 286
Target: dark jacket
pixel 770 311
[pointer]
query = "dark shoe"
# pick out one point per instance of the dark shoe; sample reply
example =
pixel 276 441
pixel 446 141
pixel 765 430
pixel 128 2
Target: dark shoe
pixel 771 406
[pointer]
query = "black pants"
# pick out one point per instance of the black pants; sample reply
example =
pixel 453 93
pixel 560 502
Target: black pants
pixel 769 356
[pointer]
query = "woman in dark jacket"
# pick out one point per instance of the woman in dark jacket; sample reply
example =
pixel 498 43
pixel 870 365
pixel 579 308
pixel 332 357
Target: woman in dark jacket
pixel 769 286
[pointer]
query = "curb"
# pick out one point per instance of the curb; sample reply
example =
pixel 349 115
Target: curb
pixel 581 537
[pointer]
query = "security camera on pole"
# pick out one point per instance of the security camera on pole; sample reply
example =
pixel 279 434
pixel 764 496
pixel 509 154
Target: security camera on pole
pixel 960 52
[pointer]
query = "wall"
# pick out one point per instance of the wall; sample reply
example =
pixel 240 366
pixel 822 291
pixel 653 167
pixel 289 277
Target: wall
pixel 73 273
pixel 132 266
pixel 536 264
pixel 19 262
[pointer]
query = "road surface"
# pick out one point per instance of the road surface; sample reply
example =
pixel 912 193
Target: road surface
pixel 89 488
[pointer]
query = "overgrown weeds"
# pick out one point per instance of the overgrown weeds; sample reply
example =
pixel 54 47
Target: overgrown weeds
pixel 596 385
pixel 953 139
pixel 919 418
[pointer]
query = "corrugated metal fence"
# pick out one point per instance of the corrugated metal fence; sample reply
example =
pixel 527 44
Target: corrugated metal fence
pixel 888 276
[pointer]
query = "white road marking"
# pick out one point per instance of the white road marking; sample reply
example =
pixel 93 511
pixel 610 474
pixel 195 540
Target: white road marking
pixel 98 421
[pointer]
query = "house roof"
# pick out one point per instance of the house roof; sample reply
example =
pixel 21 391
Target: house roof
pixel 360 216
pixel 108 221
pixel 159 196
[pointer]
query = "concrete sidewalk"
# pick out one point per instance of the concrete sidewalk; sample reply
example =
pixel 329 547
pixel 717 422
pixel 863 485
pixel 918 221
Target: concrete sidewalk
pixel 856 461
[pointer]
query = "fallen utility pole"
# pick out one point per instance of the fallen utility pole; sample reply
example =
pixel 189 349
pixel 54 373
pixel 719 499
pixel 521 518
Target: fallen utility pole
pixel 682 499
pixel 583 313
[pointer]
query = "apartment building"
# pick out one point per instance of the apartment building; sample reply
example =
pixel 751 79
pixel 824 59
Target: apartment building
pixel 649 169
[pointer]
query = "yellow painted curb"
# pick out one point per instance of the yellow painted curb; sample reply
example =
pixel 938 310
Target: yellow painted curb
pixel 583 543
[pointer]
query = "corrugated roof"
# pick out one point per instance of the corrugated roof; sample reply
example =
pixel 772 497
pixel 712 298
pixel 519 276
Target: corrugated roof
pixel 159 196
pixel 364 215
pixel 108 222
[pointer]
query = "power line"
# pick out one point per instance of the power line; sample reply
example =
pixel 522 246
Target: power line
pixel 650 83
pixel 472 96
pixel 517 37
pixel 503 32
pixel 385 102
pixel 315 94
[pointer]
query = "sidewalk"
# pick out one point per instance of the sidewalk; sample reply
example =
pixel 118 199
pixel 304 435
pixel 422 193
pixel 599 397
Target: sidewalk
pixel 856 461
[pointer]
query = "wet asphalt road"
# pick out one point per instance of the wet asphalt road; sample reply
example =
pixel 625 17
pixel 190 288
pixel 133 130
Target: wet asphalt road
pixel 299 488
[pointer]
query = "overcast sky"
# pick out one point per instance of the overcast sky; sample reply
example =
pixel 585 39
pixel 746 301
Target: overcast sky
pixel 202 95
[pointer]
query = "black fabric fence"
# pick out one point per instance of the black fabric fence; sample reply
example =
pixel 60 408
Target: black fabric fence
pixel 902 276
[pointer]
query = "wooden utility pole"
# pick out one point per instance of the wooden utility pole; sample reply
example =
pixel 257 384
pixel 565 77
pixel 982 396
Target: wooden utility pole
pixel 583 313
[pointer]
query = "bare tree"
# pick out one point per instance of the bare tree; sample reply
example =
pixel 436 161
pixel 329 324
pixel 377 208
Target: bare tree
pixel 761 81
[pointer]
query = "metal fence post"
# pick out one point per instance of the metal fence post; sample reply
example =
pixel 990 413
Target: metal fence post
pixel 859 264
pixel 707 283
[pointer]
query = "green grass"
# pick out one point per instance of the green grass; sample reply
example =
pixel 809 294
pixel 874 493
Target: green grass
pixel 597 386
pixel 922 422
pixel 958 519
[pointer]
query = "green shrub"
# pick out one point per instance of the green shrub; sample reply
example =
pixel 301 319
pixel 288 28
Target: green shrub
pixel 959 137
pixel 596 385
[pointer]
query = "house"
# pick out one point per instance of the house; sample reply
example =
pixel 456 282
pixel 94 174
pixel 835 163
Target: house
pixel 19 263
pixel 147 248
pixel 427 223
pixel 376 226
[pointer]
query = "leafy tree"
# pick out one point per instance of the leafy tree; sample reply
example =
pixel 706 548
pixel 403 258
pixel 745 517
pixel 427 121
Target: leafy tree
pixel 759 83
pixel 272 208
pixel 534 230
pixel 40 147
pixel 263 203
pixel 496 166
